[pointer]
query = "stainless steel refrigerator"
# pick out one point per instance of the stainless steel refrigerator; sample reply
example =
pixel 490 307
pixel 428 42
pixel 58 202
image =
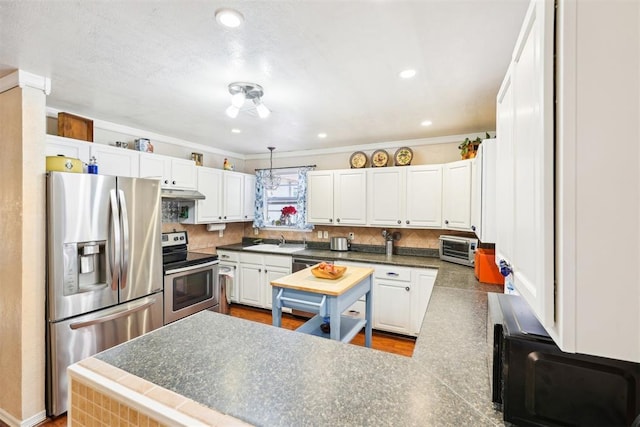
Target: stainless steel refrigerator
pixel 104 269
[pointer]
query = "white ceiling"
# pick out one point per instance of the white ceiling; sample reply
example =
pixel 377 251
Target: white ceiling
pixel 326 66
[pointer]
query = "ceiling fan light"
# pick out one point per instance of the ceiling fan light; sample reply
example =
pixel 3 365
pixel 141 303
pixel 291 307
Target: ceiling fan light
pixel 262 110
pixel 232 111
pixel 237 100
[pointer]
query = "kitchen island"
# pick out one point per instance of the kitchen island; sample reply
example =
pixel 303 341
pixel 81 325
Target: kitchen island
pixel 216 369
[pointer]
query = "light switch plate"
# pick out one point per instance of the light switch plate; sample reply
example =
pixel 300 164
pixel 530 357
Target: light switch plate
pixel 326 234
pixel 319 234
pixel 352 235
pixel 256 231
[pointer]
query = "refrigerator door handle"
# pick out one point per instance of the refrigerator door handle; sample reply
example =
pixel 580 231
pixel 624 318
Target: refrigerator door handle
pixel 125 239
pixel 114 253
pixel 113 316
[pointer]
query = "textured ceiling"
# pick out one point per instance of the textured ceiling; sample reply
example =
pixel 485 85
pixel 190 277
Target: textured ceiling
pixel 326 66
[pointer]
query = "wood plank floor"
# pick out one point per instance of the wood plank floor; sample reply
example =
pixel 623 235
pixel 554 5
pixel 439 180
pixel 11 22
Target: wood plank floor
pixel 390 343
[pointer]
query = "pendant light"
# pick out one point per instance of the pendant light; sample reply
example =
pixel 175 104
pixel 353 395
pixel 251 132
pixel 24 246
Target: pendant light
pixel 271 181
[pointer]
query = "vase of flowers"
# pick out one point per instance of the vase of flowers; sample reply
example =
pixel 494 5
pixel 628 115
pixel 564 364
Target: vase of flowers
pixel 286 214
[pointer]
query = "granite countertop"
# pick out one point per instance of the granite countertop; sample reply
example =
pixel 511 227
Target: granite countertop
pixel 276 377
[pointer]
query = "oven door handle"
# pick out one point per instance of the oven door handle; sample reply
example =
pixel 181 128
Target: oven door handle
pixel 191 267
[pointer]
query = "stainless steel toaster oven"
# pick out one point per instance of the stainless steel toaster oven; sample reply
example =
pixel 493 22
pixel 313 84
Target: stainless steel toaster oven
pixel 461 250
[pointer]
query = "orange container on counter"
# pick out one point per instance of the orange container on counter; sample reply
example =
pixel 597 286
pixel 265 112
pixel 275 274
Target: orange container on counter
pixel 486 270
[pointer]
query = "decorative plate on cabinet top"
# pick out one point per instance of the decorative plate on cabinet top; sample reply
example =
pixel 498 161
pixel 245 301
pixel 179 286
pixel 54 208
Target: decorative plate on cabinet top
pixel 379 158
pixel 358 160
pixel 403 156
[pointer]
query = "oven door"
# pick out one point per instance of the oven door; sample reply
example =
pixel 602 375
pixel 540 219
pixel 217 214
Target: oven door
pixel 189 290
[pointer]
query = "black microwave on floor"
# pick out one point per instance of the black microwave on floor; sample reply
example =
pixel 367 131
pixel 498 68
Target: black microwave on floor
pixel 534 383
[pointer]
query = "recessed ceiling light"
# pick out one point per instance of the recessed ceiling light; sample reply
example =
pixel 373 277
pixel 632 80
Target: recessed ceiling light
pixel 426 123
pixel 407 74
pixel 322 135
pixel 229 18
pixel 234 130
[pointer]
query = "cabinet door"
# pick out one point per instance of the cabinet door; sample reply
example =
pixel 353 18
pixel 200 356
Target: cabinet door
pixel 209 210
pixel 386 196
pixel 487 229
pixel 57 145
pixel 183 174
pixel 424 196
pixel 422 281
pixel 153 166
pixel 320 197
pixel 350 197
pixel 392 306
pixel 504 172
pixel 457 195
pixel 232 196
pixel 249 197
pixel 476 193
pixel 251 284
pixel 271 273
pixel 533 155
pixel 116 161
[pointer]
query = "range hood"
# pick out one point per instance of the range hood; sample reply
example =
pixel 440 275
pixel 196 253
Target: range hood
pixel 169 193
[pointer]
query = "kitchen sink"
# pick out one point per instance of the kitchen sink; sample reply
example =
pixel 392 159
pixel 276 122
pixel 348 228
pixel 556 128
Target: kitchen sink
pixel 268 247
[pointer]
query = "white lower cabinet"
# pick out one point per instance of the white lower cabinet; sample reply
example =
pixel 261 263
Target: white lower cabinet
pixel 256 272
pixel 422 280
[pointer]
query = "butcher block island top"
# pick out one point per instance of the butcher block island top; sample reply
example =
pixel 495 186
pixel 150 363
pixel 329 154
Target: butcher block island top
pixel 213 369
pixel 304 280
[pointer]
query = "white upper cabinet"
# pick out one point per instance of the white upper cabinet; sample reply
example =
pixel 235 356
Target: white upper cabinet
pixel 74 148
pixel 320 197
pixel 350 192
pixel 173 172
pixel 483 194
pixel 456 197
pixel 209 210
pixel 249 199
pixel 386 196
pixel 423 196
pixel 233 185
pixel 116 161
pixel 532 161
pixel 337 197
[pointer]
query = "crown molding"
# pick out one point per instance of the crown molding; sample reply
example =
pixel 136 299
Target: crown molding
pixel 22 79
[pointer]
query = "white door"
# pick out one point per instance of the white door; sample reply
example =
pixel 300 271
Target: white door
pixel 533 155
pixel 487 230
pixel 249 197
pixel 116 161
pixel 386 196
pixel 209 210
pixel 68 147
pixel 232 196
pixel 350 197
pixel 320 197
pixel 271 274
pixel 392 306
pixel 456 209
pixel 251 284
pixel 424 196
pixel 152 166
pixel 183 174
pixel 422 280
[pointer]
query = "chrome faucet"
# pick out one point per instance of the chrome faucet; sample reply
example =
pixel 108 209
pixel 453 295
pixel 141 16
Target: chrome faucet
pixel 282 241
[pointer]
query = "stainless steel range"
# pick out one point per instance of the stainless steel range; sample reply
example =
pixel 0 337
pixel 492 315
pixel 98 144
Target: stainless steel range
pixel 191 281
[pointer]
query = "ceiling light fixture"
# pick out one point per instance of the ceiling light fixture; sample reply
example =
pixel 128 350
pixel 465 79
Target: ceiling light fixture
pixel 235 130
pixel 242 91
pixel 271 181
pixel 407 74
pixel 322 135
pixel 426 123
pixel 229 18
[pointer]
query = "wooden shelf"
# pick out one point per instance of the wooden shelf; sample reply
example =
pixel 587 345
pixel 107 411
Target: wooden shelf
pixel 349 327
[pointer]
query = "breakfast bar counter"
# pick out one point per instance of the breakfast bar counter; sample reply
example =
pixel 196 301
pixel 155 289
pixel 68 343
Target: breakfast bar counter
pixel 213 369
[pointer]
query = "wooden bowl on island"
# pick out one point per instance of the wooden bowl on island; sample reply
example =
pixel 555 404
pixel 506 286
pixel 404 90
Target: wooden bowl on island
pixel 328 271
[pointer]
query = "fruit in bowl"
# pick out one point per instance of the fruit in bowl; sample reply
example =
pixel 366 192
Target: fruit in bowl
pixel 328 271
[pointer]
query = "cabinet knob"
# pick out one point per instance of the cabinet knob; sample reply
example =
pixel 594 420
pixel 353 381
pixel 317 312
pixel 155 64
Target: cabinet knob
pixel 259 270
pixel 473 228
pixel 446 221
pixel 166 181
pixel 505 268
pixel 173 182
pixel 338 220
pixel 330 219
pixel 225 217
pixel 224 256
pixel 407 289
pixel 408 222
pixel 265 270
pixel 399 222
